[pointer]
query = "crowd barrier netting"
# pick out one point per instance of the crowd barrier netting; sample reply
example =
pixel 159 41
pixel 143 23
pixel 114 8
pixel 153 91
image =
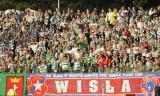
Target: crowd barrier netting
pixel 113 84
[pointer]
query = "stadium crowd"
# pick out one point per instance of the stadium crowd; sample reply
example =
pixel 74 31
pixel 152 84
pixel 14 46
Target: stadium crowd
pixel 113 40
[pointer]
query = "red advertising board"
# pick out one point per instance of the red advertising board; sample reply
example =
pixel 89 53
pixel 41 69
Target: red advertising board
pixel 14 85
pixel 137 84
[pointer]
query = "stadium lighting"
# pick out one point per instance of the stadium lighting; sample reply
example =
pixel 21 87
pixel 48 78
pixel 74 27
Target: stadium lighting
pixel 58 4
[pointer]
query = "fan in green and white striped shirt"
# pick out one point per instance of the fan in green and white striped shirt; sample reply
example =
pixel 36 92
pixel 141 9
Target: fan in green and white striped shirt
pixel 1 45
pixel 65 65
pixel 11 44
pixel 77 66
pixel 54 63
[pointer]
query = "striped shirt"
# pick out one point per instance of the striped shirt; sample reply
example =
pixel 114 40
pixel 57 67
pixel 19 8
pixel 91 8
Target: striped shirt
pixel 2 45
pixel 11 44
pixel 54 65
pixel 77 66
pixel 65 65
pixel 43 68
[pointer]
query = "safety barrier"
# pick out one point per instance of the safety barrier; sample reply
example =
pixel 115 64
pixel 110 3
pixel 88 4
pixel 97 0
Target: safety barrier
pixel 113 84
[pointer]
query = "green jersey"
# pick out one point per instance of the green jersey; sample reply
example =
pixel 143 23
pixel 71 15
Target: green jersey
pixel 54 65
pixel 77 66
pixel 43 68
pixel 48 57
pixel 65 65
pixel 11 44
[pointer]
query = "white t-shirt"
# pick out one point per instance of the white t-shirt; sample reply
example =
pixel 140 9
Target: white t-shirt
pixel 135 50
pixel 140 25
pixel 109 15
pixel 128 50
pixel 6 12
pixel 155 53
pixel 34 47
pixel 31 19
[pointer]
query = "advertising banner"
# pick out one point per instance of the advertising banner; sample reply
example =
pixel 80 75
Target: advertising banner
pixel 13 84
pixel 115 84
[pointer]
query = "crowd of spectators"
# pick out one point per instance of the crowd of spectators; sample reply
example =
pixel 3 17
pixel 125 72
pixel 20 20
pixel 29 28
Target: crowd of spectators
pixel 113 40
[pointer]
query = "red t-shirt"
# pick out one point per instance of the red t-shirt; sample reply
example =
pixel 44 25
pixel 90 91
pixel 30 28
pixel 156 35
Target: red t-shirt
pixel 101 61
pixel 108 61
pixel 145 44
pixel 4 63
pixel 127 33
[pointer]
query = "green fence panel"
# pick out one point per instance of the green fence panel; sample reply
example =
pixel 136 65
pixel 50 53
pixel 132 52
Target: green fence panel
pixel 2 84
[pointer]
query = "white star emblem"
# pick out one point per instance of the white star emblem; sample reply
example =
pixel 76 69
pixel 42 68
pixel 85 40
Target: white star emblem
pixel 38 86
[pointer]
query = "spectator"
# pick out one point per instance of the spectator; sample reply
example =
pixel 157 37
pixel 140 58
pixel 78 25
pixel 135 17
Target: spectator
pixel 117 40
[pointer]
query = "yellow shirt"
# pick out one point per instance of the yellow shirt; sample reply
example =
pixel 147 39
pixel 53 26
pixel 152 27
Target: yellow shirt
pixel 113 17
